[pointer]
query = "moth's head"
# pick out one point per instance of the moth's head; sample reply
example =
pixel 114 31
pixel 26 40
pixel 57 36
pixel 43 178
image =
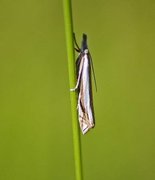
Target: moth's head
pixel 86 51
pixel 84 43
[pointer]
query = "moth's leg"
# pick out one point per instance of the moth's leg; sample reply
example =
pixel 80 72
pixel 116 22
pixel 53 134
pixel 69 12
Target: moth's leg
pixel 77 47
pixel 78 50
pixel 79 77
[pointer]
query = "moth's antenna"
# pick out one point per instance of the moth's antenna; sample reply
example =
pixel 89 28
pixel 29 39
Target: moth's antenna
pixel 77 47
pixel 93 71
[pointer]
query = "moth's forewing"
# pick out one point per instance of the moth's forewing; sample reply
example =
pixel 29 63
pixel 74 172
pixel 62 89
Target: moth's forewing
pixel 85 101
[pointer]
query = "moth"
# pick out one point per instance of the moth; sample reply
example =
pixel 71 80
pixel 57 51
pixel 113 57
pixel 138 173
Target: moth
pixel 84 67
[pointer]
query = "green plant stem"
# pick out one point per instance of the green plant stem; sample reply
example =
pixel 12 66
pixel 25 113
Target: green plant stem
pixel 72 82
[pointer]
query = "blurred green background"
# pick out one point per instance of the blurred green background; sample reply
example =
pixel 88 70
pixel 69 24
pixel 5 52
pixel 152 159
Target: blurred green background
pixel 35 118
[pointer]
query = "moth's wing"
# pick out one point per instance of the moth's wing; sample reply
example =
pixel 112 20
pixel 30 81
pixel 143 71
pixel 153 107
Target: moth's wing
pixel 85 105
pixel 93 72
pixel 84 117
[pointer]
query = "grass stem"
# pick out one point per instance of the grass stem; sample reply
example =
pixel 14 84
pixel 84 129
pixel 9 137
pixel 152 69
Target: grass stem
pixel 72 82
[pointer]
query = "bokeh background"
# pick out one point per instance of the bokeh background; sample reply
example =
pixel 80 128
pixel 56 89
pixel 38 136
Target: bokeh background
pixel 35 118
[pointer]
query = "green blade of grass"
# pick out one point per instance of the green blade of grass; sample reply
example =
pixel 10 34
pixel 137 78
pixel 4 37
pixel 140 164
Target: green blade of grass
pixel 72 82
